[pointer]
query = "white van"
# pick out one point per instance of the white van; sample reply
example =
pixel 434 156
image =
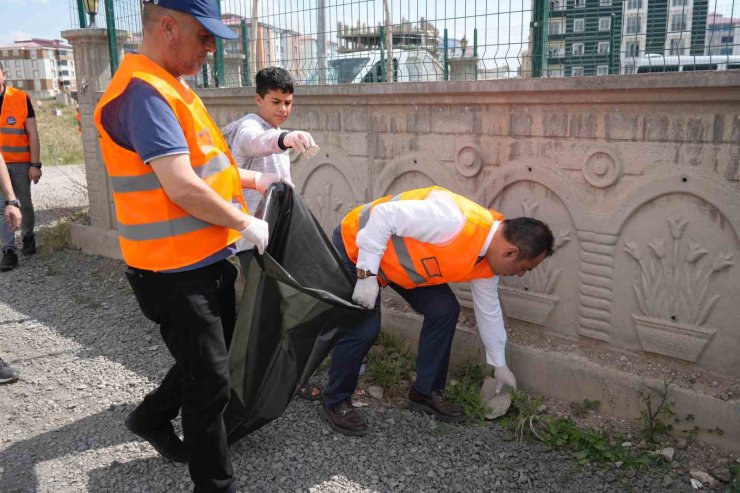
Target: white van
pixel 653 63
pixel 367 66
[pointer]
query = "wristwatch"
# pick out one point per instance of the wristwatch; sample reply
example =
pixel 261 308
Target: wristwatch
pixel 14 202
pixel 364 273
pixel 36 165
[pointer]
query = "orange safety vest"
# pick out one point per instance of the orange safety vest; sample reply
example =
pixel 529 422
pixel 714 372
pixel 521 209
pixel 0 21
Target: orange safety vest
pixel 155 233
pixel 14 143
pixel 411 263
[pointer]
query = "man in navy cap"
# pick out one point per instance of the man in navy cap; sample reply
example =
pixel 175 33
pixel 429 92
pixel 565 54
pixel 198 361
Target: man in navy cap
pixel 180 211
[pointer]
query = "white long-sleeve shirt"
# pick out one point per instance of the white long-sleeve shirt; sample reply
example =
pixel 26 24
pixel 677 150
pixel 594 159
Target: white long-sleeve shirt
pixel 437 220
pixel 255 147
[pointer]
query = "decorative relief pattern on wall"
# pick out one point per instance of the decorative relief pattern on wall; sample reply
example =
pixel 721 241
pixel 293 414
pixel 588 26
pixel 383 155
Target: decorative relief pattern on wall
pixel 532 297
pixel 596 278
pixel 673 293
pixel 469 160
pixel 328 209
pixel 602 169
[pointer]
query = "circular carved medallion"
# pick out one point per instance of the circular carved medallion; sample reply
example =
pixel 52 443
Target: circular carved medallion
pixel 601 169
pixel 469 160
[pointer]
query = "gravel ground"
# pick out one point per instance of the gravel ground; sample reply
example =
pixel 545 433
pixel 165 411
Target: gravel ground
pixel 70 325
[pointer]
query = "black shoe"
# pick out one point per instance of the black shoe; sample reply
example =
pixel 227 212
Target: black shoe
pixel 10 260
pixel 163 439
pixel 344 418
pixel 7 373
pixel 29 246
pixel 437 405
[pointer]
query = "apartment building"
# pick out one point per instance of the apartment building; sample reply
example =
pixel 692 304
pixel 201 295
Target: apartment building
pixel 582 36
pixel 662 28
pixel 601 37
pixel 722 36
pixel 41 67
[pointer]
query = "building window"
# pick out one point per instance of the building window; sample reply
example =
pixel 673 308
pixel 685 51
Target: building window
pixel 35 74
pixel 632 48
pixel 555 71
pixel 15 52
pixel 557 5
pixel 603 48
pixel 675 47
pixel 634 4
pixel 605 23
pixel 727 39
pixel 605 3
pixel 633 24
pixel 578 25
pixel 34 54
pixel 678 22
pixel 602 70
pixel 20 84
pixel 576 71
pixel 556 49
pixel 580 4
pixel 556 26
pixel 34 63
pixel 678 3
pixel 18 73
pixel 577 49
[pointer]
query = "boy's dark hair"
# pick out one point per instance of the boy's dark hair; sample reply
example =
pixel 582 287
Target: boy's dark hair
pixel 274 79
pixel 531 236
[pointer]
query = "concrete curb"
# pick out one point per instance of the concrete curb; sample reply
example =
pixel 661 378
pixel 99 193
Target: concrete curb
pixel 96 241
pixel 573 378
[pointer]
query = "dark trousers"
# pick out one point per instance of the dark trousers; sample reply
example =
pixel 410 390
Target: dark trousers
pixel 440 309
pixel 196 313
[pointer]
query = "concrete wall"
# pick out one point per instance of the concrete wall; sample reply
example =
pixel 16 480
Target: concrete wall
pixel 637 176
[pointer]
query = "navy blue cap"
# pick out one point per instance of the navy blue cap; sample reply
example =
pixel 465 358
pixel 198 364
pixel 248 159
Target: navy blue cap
pixel 205 11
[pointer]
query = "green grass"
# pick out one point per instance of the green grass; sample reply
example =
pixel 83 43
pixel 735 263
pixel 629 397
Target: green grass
pixel 60 142
pixel 57 237
pixel 390 363
pixel 464 390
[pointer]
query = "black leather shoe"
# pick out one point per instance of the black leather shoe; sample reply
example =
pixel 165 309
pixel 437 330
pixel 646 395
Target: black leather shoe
pixel 344 418
pixel 437 405
pixel 163 439
pixel 9 261
pixel 29 246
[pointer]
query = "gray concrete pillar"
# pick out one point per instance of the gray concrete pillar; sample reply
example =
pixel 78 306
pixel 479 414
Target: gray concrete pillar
pixel 92 66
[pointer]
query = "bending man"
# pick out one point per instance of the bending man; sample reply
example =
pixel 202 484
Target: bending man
pixel 417 242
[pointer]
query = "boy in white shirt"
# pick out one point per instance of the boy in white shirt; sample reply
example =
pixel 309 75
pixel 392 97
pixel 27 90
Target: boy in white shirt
pixel 258 143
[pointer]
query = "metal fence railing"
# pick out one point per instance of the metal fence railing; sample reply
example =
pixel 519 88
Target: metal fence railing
pixel 364 41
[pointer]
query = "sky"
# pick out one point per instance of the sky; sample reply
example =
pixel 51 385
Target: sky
pixel 499 22
pixel 47 20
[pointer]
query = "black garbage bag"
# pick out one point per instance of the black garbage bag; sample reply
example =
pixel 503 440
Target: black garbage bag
pixel 294 308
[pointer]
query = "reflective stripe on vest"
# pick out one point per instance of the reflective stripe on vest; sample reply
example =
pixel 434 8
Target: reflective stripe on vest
pixel 143 183
pixel 154 232
pixel 411 263
pixel 14 144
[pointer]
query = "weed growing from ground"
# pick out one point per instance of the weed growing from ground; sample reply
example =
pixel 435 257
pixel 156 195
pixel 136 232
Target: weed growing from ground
pixel 390 365
pixel 580 409
pixel 464 390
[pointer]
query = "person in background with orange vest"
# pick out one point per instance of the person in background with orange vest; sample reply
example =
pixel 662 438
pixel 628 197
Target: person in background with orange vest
pixel 78 119
pixel 180 211
pixel 12 215
pixel 19 145
pixel 417 242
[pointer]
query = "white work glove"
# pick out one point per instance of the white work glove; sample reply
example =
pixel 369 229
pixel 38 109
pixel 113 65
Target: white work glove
pixel 299 140
pixel 257 233
pixel 263 180
pixel 366 292
pixel 504 376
